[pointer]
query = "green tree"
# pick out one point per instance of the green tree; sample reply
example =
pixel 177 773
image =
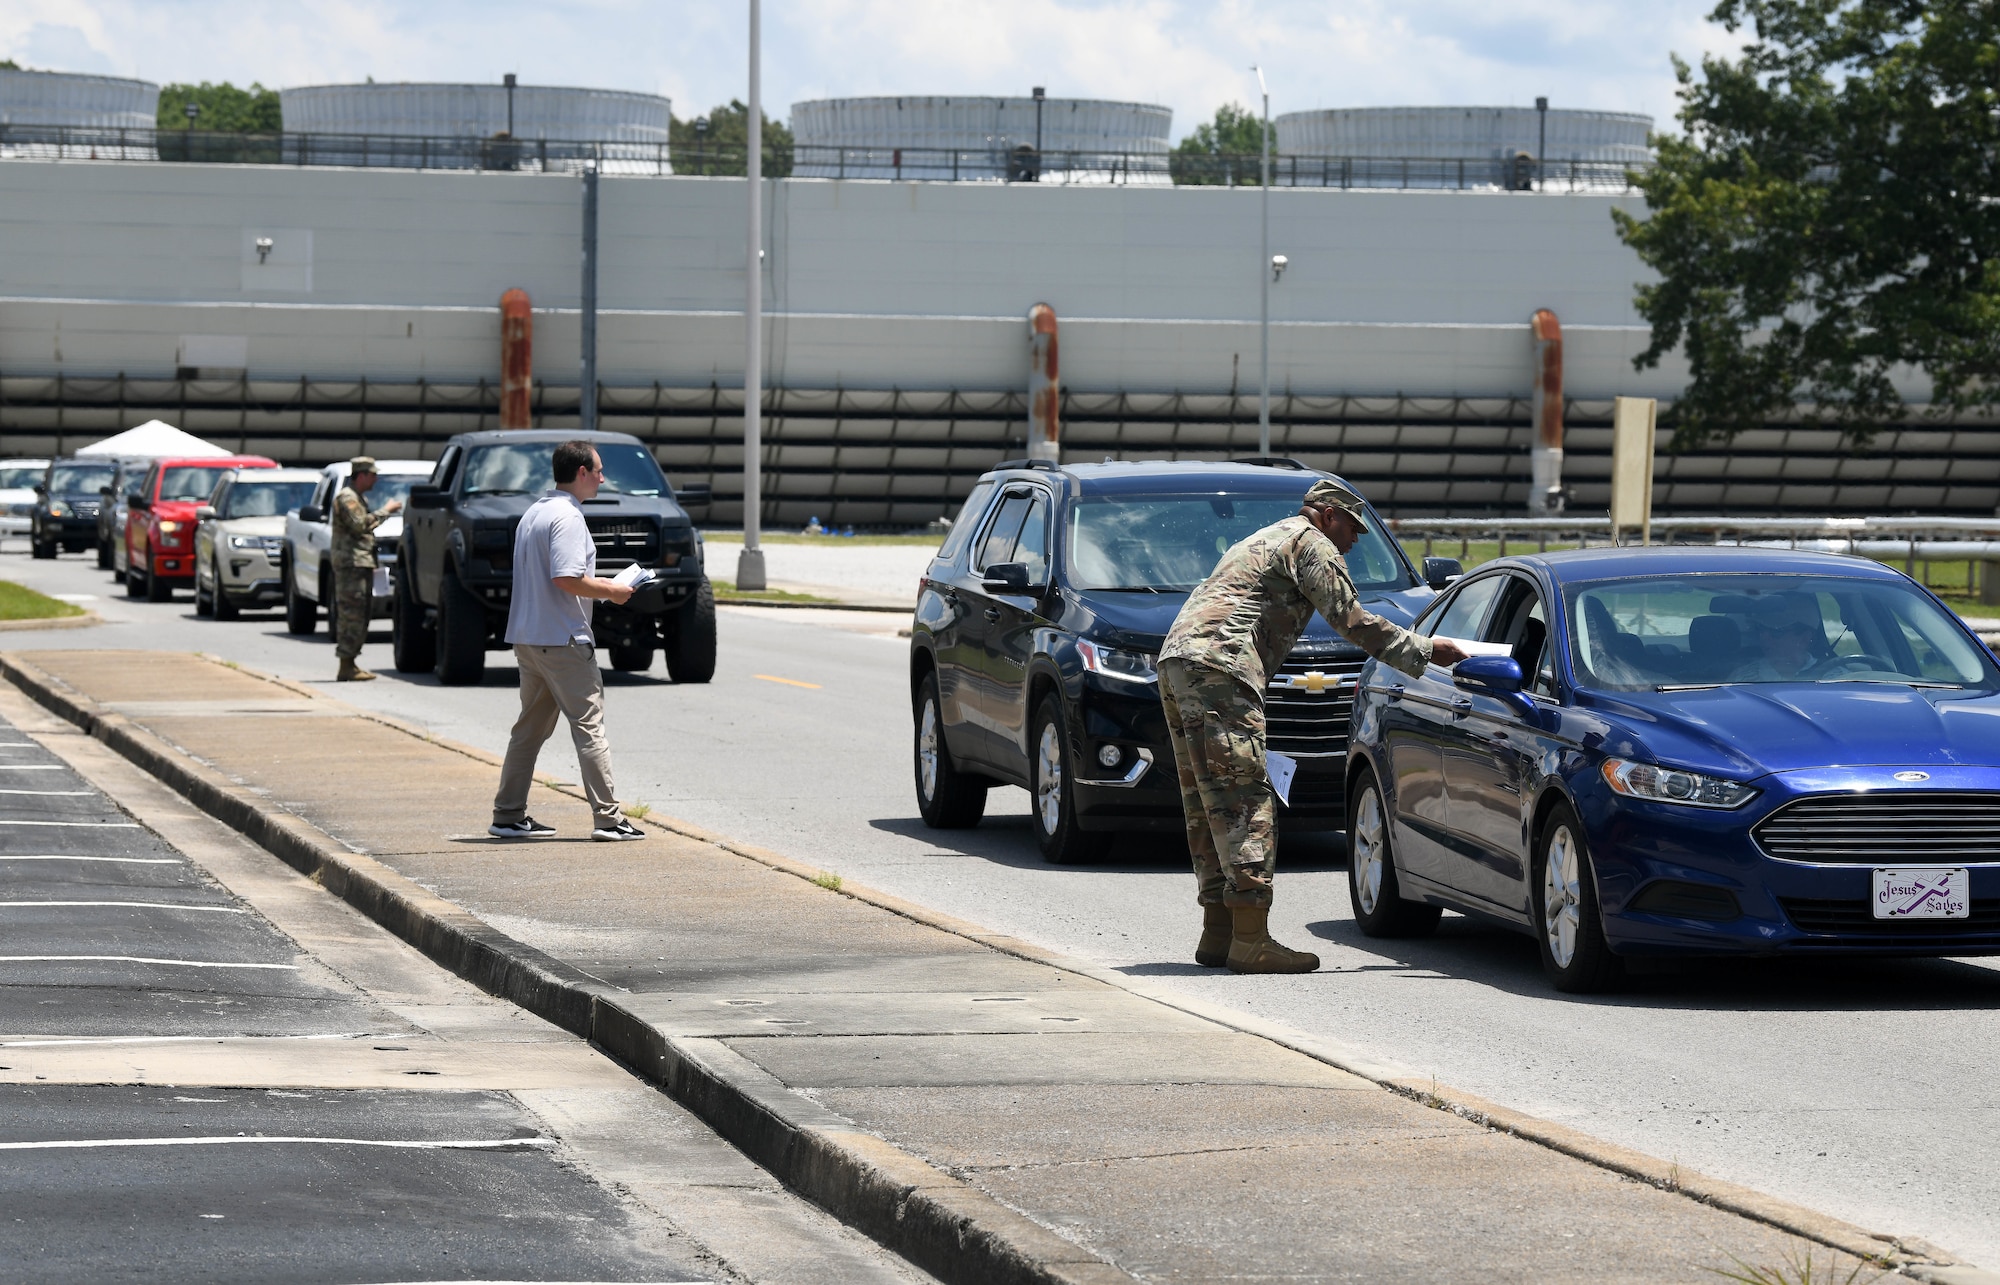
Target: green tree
pixel 1830 216
pixel 1224 150
pixel 721 148
pixel 224 108
pixel 8 64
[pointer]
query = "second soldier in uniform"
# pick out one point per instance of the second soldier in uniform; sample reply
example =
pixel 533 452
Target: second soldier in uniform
pixel 1235 629
pixel 353 556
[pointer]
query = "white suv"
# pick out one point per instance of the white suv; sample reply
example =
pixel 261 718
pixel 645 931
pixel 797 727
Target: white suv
pixel 239 539
pixel 18 480
pixel 308 576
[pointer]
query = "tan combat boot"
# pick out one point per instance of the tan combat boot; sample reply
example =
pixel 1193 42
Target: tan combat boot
pixel 1251 949
pixel 1212 951
pixel 352 673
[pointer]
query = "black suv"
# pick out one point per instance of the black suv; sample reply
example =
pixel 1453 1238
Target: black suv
pixel 66 500
pixel 454 569
pixel 1037 627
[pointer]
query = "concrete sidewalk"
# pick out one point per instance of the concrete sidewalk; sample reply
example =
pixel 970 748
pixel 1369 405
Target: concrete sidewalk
pixel 991 1111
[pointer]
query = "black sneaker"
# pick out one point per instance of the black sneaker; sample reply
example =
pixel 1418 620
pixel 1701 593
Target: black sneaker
pixel 618 833
pixel 525 828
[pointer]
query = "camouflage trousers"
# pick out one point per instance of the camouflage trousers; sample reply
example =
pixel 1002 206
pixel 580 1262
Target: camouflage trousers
pixel 353 591
pixel 1216 724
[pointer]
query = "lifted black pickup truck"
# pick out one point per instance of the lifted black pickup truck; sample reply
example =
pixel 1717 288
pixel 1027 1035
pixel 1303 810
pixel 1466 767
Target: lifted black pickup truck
pixel 454 568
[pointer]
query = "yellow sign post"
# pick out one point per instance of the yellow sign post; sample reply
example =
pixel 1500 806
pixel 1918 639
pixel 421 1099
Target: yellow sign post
pixel 1632 467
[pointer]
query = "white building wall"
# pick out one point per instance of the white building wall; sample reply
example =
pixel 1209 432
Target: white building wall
pixel 104 268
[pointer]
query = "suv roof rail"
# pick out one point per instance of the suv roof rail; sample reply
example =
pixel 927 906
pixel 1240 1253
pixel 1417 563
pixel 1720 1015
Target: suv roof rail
pixel 1277 461
pixel 1051 465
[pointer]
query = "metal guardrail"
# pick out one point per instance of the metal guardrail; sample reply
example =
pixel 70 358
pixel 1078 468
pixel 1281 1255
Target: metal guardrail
pixel 1000 160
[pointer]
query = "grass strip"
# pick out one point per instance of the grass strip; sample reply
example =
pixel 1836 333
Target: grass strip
pixel 827 541
pixel 18 602
pixel 729 593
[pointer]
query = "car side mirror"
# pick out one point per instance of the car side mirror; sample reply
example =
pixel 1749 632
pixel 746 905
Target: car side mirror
pixel 139 502
pixel 429 497
pixel 1496 676
pixel 1439 572
pixel 1008 577
pixel 310 513
pixel 695 494
pixel 41 490
pixel 206 513
pixel 104 491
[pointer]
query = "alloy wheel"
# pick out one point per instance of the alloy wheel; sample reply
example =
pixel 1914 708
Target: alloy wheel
pixel 1561 895
pixel 1366 850
pixel 927 749
pixel 1049 777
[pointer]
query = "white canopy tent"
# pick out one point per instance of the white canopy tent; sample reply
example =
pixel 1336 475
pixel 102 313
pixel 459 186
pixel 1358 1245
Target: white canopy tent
pixel 155 438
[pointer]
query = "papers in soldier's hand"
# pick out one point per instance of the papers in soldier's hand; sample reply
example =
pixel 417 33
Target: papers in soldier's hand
pixel 1472 648
pixel 633 576
pixel 1282 767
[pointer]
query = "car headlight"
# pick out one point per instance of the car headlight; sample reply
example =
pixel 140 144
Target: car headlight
pixel 264 543
pixel 1115 662
pixel 22 510
pixel 1673 785
pixel 168 526
pixel 57 509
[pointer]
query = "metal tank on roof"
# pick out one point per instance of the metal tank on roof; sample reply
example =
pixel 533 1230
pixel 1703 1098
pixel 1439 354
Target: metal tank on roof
pixel 633 126
pixel 1050 140
pixel 1583 148
pixel 77 115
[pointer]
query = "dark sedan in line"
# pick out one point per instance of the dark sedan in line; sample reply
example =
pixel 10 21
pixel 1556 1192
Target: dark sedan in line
pixel 1675 751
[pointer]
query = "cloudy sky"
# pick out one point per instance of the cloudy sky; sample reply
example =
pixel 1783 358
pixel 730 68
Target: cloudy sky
pixel 1188 54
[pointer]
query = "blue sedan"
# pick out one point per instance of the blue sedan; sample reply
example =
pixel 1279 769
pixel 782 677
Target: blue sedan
pixel 1679 751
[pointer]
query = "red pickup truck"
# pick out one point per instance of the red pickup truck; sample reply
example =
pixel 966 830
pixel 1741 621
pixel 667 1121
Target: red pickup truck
pixel 159 534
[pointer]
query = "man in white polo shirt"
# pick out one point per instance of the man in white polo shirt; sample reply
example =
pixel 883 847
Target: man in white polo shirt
pixel 548 623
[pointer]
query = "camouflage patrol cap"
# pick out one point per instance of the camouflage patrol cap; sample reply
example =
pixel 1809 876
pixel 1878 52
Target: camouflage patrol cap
pixel 361 464
pixel 1330 493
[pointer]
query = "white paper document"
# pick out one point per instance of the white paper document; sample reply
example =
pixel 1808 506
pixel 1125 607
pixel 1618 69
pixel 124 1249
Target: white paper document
pixel 1484 648
pixel 634 576
pixel 1282 767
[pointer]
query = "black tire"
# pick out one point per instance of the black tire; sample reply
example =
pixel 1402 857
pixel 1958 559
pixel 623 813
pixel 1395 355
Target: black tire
pixel 631 660
pixel 135 584
pixel 301 612
pixel 461 634
pixel 413 642
pixel 1373 889
pixel 41 551
pixel 691 638
pixel 204 603
pixel 104 562
pixel 1590 966
pixel 224 609
pixel 947 798
pixel 1052 792
pixel 157 590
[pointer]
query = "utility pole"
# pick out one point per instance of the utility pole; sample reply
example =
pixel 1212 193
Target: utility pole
pixel 1264 280
pixel 509 82
pixel 587 403
pixel 750 563
pixel 1040 97
pixel 1541 143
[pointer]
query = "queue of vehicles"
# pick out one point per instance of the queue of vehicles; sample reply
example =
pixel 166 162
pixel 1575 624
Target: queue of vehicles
pixel 245 534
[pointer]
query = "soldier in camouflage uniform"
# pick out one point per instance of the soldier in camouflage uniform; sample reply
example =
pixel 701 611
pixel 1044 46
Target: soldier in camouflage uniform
pixel 1235 629
pixel 353 556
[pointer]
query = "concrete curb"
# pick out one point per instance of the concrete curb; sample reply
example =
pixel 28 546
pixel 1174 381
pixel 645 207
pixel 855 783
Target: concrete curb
pixel 945 1226
pixel 917 1211
pixel 84 621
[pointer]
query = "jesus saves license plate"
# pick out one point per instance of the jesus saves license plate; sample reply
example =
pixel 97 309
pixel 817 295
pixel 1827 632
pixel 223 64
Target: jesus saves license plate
pixel 1931 892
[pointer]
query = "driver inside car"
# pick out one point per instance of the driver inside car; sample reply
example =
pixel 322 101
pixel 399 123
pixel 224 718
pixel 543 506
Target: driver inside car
pixel 1788 630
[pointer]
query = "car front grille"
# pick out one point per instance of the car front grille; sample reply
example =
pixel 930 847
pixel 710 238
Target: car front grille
pixel 1813 915
pixel 623 541
pixel 1916 827
pixel 1308 705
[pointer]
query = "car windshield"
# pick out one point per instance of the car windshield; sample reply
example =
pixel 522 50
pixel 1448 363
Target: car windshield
pixel 391 486
pixel 191 482
pixel 1665 633
pixel 1172 542
pixel 266 499
pixel 19 479
pixel 79 479
pixel 523 469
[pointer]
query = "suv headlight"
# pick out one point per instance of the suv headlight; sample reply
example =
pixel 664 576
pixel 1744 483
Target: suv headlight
pixel 1114 662
pixel 1672 785
pixel 264 543
pixel 57 509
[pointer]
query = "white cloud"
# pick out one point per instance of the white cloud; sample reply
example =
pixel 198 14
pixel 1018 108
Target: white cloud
pixel 1191 55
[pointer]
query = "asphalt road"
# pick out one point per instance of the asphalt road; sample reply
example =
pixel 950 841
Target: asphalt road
pixel 1862 1089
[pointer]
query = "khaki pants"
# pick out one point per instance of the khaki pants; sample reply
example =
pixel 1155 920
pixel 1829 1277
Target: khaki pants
pixel 557 681
pixel 1216 724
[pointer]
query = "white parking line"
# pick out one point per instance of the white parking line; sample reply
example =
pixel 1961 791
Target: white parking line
pixel 133 959
pixel 455 1144
pixel 52 794
pixel 92 825
pixel 31 767
pixel 128 861
pixel 143 905
pixel 182 1039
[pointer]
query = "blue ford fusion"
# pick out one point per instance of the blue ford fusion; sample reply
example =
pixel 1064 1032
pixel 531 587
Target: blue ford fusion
pixel 1675 751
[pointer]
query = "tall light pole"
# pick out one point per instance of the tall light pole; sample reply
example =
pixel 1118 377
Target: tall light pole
pixel 1264 279
pixel 750 563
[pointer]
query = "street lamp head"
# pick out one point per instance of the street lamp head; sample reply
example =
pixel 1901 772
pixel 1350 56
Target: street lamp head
pixel 1262 88
pixel 193 110
pixel 1278 265
pixel 1039 92
pixel 508 80
pixel 1541 104
pixel 701 124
